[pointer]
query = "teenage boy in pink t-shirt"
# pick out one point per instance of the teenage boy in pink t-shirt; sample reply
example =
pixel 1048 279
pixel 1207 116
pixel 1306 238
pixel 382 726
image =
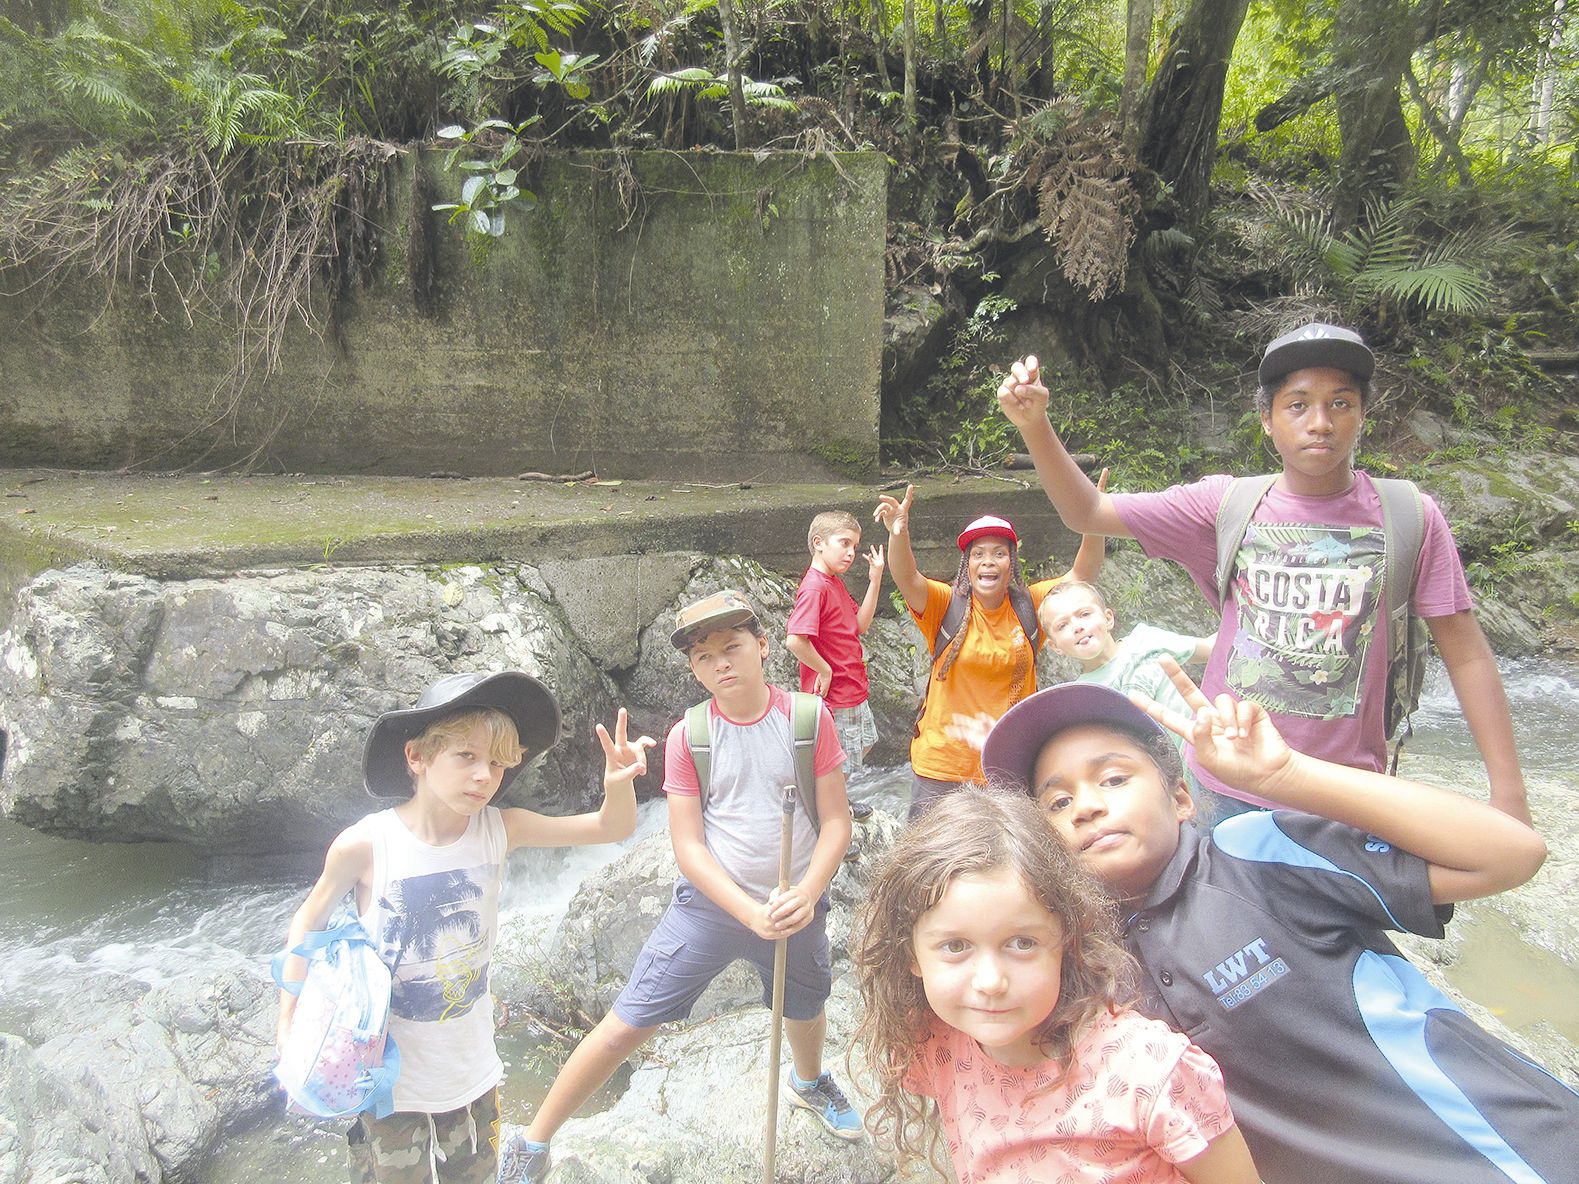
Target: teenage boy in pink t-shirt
pixel 1302 628
pixel 825 629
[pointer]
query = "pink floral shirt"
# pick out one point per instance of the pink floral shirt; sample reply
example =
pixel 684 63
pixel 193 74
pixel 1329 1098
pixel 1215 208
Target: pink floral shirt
pixel 1139 1099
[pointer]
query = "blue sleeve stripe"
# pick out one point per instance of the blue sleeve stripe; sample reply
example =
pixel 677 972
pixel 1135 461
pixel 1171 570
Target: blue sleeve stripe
pixel 1394 999
pixel 1256 837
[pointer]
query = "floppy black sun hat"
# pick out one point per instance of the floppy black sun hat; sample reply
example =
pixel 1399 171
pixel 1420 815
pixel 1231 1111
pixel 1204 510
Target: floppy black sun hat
pixel 520 696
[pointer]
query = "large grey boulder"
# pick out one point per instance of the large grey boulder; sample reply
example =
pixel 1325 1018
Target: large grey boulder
pixel 53 1133
pixel 695 1112
pixel 138 1091
pixel 231 712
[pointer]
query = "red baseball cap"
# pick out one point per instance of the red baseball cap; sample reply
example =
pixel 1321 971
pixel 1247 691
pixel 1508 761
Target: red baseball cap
pixel 987 524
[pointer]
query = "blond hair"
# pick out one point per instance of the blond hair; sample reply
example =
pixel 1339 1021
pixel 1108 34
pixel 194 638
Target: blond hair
pixel 1044 614
pixel 828 524
pixel 974 830
pixel 504 742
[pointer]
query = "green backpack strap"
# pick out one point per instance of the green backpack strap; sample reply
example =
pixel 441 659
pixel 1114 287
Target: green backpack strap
pixel 1403 523
pixel 1234 512
pixel 699 738
pixel 805 717
pixel 1407 637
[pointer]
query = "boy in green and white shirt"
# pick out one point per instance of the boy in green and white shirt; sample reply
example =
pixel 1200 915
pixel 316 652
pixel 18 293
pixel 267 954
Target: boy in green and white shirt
pixel 1078 623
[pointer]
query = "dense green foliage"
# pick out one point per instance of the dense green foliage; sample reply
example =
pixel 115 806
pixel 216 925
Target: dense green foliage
pixel 222 154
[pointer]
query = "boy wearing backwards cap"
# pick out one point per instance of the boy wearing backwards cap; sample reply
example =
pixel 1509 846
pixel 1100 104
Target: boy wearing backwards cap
pixel 726 903
pixel 1303 624
pixel 1262 939
pixel 426 875
pixel 988 661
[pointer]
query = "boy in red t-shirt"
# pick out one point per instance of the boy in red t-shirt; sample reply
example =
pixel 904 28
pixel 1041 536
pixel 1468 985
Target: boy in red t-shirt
pixel 825 628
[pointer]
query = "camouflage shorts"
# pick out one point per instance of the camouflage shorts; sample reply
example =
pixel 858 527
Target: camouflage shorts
pixel 395 1150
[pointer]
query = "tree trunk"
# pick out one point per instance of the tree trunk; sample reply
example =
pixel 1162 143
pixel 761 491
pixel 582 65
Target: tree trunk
pixel 1546 76
pixel 1137 56
pixel 1181 109
pixel 880 39
pixel 909 19
pixel 1372 42
pixel 979 39
pixel 737 94
pixel 1445 136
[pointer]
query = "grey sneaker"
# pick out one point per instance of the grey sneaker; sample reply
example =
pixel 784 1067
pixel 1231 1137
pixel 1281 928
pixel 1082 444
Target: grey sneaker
pixel 521 1164
pixel 827 1101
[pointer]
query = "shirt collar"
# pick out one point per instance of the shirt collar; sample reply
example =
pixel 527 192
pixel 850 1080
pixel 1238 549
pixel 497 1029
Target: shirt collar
pixel 1192 842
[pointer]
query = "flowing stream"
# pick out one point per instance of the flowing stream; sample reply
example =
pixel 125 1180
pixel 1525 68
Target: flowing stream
pixel 79 913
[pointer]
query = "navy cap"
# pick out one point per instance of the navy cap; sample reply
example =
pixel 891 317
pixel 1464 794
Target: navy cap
pixel 1317 344
pixel 1009 756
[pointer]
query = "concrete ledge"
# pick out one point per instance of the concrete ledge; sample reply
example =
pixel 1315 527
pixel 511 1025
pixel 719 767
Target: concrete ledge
pixel 187 526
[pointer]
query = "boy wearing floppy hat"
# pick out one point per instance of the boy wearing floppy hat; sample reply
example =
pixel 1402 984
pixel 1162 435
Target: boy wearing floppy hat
pixel 982 633
pixel 1304 628
pixel 426 875
pixel 1262 939
pixel 727 904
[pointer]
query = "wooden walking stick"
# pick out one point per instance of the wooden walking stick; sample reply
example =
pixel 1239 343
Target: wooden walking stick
pixel 780 963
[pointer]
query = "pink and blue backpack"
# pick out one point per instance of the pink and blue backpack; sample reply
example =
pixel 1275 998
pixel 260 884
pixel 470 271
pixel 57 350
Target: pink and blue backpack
pixel 338 1059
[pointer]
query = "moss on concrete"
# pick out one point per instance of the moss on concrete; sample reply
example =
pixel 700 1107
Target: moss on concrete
pixel 187 526
pixel 590 336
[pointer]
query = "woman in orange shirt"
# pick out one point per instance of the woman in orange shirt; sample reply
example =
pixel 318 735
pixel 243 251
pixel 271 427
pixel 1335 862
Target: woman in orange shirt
pixel 988 663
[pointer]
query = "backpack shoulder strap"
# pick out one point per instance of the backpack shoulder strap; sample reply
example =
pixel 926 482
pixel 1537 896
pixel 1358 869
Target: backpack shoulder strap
pixel 1403 529
pixel 1234 512
pixel 805 718
pixel 953 615
pixel 699 739
pixel 1025 610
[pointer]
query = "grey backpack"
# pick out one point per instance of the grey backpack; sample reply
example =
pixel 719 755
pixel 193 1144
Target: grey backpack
pixel 1403 533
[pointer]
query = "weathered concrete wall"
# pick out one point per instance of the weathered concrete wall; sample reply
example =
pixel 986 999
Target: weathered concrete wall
pixel 729 327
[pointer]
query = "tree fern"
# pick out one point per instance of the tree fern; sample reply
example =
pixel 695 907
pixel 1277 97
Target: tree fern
pixel 1383 258
pixel 704 84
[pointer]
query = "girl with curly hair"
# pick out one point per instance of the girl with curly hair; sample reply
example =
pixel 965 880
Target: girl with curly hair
pixel 982 633
pixel 997 1001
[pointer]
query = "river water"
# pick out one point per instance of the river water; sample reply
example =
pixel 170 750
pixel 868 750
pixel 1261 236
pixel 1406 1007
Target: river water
pixel 77 912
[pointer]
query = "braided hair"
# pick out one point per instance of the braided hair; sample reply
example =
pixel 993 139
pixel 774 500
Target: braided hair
pixel 1024 655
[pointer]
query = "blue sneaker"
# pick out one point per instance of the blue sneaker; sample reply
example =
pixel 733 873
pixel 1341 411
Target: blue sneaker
pixel 827 1101
pixel 521 1162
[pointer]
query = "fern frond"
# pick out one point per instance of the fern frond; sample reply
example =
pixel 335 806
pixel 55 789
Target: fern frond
pixel 1437 287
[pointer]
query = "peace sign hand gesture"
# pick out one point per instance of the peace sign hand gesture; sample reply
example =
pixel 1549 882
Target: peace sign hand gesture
pixel 1234 739
pixel 624 759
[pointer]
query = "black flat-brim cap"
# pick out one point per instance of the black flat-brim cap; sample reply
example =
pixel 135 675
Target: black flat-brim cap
pixel 520 696
pixel 1317 344
pixel 1009 756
